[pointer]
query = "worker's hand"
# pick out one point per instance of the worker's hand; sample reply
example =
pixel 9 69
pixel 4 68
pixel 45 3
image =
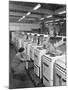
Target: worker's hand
pixel 24 57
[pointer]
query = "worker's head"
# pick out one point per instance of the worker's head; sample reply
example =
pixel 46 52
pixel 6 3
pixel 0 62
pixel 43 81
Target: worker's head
pixel 21 50
pixel 52 31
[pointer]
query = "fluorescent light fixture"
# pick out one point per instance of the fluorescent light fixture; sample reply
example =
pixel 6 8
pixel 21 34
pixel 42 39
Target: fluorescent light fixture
pixel 37 7
pixel 62 12
pixel 28 13
pixel 49 16
pixel 41 18
pixel 64 18
pixel 21 18
pixel 51 21
pixel 45 35
pixel 38 34
pixel 57 19
pixel 32 33
pixel 28 33
pixel 61 22
pixel 46 22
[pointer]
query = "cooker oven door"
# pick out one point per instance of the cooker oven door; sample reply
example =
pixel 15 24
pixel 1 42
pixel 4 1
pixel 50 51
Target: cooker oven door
pixel 47 68
pixel 45 73
pixel 36 61
pixel 30 53
pixel 60 77
pixel 37 70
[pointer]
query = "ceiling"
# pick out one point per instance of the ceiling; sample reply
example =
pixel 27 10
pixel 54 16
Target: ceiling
pixel 20 9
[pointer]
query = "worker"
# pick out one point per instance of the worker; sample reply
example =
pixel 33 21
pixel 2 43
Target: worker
pixel 50 34
pixel 18 63
pixel 49 45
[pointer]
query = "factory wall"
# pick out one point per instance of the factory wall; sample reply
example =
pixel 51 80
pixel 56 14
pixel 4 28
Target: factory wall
pixel 35 28
pixel 22 27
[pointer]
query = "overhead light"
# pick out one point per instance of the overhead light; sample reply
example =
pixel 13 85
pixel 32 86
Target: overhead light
pixel 41 18
pixel 64 18
pixel 61 22
pixel 28 13
pixel 45 35
pixel 28 33
pixel 57 19
pixel 38 34
pixel 21 18
pixel 51 21
pixel 49 16
pixel 62 12
pixel 56 23
pixel 46 22
pixel 32 33
pixel 37 7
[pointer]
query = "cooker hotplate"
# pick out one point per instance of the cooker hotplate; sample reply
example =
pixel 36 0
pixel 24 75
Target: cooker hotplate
pixel 54 54
pixel 40 48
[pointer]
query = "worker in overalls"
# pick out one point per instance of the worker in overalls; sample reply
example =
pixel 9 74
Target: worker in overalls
pixel 18 63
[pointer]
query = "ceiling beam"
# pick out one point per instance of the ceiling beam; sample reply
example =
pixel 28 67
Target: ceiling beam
pixel 13 18
pixel 23 14
pixel 26 17
pixel 16 13
pixel 25 9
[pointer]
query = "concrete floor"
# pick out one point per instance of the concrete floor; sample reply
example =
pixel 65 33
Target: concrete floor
pixel 18 81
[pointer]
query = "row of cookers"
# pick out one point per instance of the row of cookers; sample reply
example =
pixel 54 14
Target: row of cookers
pixel 45 66
pixel 52 70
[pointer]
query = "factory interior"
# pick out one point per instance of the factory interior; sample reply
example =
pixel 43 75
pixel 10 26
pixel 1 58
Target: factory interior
pixel 37 44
